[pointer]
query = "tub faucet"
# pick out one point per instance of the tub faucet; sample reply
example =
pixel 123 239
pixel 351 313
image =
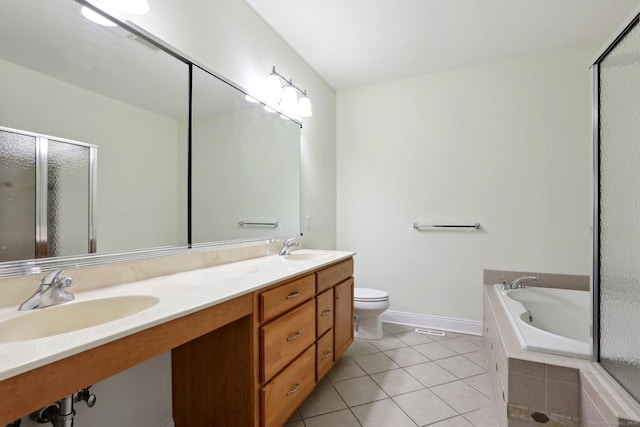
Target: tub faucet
pixel 50 292
pixel 287 245
pixel 519 282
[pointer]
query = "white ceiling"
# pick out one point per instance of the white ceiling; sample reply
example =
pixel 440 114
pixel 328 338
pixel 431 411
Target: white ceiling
pixel 358 42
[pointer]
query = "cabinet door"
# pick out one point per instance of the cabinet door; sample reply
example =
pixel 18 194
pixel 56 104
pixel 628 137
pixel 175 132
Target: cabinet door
pixel 343 321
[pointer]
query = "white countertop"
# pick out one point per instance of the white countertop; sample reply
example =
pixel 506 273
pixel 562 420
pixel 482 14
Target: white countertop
pixel 179 295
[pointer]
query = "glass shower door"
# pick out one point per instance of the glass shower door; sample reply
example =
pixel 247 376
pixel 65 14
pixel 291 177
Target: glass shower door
pixel 619 211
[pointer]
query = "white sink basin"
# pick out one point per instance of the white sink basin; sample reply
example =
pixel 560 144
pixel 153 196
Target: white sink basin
pixel 306 256
pixel 72 316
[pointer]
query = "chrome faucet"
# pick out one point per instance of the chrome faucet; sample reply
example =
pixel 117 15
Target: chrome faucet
pixel 519 282
pixel 287 245
pixel 50 292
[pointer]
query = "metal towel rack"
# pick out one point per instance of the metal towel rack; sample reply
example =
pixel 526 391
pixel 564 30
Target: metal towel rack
pixel 475 226
pixel 259 224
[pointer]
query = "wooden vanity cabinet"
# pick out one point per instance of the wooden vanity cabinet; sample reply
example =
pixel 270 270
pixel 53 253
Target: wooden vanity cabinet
pixel 303 326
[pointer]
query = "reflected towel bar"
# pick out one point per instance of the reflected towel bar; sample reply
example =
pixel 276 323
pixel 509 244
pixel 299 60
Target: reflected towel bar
pixel 475 226
pixel 259 224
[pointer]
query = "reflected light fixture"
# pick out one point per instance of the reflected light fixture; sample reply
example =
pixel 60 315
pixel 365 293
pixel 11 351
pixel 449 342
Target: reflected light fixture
pixel 133 7
pixel 281 92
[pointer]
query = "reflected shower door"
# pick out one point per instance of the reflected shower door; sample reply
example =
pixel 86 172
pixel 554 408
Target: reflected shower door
pixel 17 196
pixel 46 196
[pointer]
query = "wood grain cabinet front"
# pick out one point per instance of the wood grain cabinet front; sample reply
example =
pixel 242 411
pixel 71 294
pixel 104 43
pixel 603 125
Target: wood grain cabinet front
pixel 324 355
pixel 285 338
pixel 285 392
pixel 324 312
pixel 303 326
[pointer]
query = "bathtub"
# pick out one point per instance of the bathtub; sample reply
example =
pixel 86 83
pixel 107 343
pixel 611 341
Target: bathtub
pixel 550 320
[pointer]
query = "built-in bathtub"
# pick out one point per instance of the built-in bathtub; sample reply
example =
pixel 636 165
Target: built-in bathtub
pixel 550 320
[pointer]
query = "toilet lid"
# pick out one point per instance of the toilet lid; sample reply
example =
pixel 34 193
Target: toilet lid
pixel 366 294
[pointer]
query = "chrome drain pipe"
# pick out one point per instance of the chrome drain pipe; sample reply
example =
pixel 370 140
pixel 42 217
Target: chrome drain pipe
pixel 61 413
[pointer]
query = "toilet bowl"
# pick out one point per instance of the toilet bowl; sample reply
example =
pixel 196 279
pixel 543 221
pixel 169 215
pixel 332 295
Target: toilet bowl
pixel 369 304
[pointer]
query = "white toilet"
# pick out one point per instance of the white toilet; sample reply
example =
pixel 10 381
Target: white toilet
pixel 369 304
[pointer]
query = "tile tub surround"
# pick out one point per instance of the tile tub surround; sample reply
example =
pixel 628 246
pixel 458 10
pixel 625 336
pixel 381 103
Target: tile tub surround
pixel 545 280
pixel 568 391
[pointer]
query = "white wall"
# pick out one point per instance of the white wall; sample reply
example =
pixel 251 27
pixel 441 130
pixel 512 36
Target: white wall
pixel 506 144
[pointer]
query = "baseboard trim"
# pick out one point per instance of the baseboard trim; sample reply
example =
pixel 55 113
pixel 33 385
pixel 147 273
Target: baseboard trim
pixel 462 326
pixel 168 423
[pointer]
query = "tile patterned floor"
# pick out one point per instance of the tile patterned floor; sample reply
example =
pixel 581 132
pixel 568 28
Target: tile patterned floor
pixel 404 379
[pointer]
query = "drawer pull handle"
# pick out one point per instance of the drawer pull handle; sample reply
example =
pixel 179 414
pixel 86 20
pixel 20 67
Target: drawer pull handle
pixel 295 390
pixel 294 295
pixel 326 354
pixel 294 337
pixel 337 296
pixel 325 313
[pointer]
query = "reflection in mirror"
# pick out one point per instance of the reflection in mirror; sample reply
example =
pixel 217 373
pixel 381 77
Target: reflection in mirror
pixel 63 75
pixel 245 166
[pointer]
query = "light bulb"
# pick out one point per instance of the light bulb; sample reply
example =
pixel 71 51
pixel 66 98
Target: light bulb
pixel 289 101
pixel 304 106
pixel 273 89
pixel 95 17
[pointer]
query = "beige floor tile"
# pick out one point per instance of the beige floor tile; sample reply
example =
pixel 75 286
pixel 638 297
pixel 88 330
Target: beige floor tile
pixel 461 367
pixel 344 369
pixel 479 357
pixel 384 413
pixel 406 356
pixel 396 382
pixel 430 374
pixel 458 421
pixel 343 418
pixel 413 338
pixel 482 383
pixel 477 340
pixel 322 400
pixel 374 363
pixel 388 342
pixel 435 350
pixel 461 396
pixel 393 328
pixel 461 345
pixel 358 391
pixel 360 347
pixel 483 417
pixel 424 407
pixel 298 423
pixel 294 417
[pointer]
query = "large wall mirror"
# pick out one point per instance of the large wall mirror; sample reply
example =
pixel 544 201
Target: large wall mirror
pixel 124 95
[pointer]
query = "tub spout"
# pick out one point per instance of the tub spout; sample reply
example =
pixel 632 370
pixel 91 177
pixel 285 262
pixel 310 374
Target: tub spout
pixel 519 282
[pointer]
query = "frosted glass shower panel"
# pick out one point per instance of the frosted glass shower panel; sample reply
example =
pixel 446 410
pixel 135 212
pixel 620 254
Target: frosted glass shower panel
pixel 17 196
pixel 68 199
pixel 620 211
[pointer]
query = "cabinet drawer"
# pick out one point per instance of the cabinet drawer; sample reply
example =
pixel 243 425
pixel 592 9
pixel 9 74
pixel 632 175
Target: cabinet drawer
pixel 324 355
pixel 324 312
pixel 285 338
pixel 282 395
pixel 283 298
pixel 333 275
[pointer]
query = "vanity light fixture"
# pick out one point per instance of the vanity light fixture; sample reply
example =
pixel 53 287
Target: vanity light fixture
pixel 281 92
pixel 133 7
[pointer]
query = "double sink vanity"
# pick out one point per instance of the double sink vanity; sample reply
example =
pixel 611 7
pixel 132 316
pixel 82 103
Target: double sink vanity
pixel 249 339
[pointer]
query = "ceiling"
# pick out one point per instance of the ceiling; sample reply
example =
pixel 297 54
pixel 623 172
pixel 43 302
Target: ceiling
pixel 358 42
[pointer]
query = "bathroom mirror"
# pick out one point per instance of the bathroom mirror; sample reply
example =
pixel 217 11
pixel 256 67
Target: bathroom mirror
pixel 127 94
pixel 245 167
